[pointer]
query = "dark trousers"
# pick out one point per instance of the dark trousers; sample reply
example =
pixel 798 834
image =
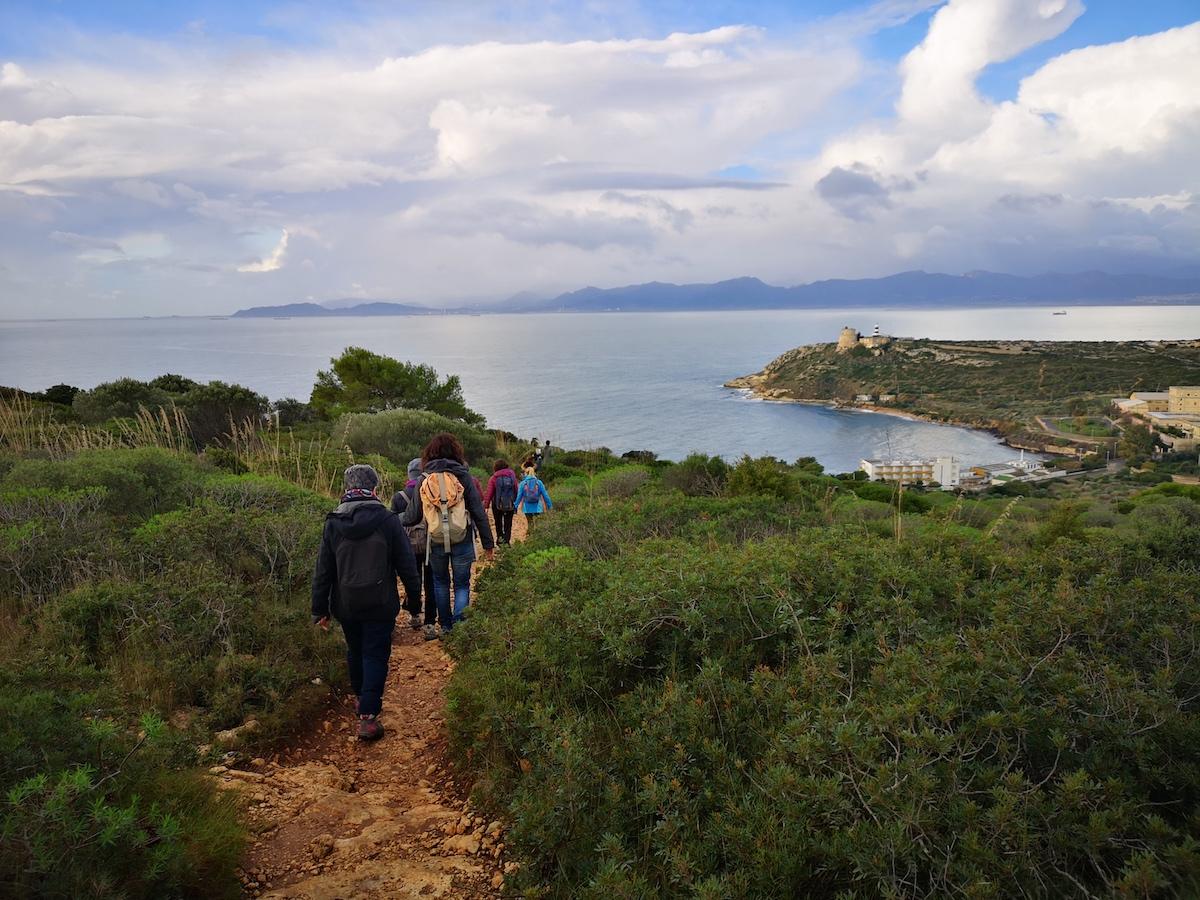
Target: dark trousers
pixel 412 605
pixel 368 649
pixel 503 522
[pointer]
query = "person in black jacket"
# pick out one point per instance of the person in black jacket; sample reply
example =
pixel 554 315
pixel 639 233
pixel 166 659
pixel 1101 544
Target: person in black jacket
pixel 445 454
pixel 363 550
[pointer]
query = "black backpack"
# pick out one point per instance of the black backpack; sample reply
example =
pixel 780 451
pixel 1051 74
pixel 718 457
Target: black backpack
pixel 365 579
pixel 506 493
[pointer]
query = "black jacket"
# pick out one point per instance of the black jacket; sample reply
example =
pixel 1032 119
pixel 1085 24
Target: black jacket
pixel 473 500
pixel 357 519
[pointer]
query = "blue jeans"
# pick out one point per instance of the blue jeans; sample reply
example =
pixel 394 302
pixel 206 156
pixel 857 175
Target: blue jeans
pixel 458 561
pixel 368 649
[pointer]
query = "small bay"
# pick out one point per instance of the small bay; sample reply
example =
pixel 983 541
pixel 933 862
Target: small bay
pixel 650 381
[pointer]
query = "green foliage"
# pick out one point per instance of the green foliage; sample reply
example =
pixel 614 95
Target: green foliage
pixel 174 384
pixel 765 475
pixel 361 381
pixel 699 475
pixel 217 409
pixel 401 434
pixel 664 703
pixel 120 399
pixel 62 394
pixel 293 412
pixel 1137 442
pixel 142 588
pixel 910 500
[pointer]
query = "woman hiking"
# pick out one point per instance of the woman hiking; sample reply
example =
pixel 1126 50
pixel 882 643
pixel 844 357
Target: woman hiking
pixel 401 501
pixel 501 498
pixel 452 509
pixel 531 493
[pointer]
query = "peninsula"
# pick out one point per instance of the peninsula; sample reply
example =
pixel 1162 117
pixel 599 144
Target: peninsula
pixel 1038 394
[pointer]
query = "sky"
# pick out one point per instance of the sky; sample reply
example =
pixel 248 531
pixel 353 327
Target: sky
pixel 193 158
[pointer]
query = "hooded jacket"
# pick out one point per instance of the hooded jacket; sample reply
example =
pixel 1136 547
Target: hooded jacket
pixel 536 506
pixel 490 493
pixel 356 519
pixel 479 521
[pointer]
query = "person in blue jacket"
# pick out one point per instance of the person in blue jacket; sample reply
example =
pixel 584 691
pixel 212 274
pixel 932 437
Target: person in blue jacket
pixel 532 498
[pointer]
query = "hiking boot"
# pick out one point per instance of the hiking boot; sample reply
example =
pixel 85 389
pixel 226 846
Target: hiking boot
pixel 432 633
pixel 414 622
pixel 369 728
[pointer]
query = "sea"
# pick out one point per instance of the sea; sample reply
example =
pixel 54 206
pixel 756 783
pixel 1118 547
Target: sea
pixel 626 381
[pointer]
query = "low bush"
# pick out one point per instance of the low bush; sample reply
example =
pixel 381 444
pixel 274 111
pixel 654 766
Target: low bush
pixel 660 710
pixel 698 475
pixel 401 434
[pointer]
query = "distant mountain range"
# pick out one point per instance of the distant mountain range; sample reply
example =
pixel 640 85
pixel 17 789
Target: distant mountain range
pixel 907 289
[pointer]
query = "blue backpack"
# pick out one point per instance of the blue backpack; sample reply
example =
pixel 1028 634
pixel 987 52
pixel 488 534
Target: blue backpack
pixel 530 491
pixel 506 493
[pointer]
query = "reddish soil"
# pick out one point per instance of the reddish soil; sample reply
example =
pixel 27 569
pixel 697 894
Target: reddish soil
pixel 338 818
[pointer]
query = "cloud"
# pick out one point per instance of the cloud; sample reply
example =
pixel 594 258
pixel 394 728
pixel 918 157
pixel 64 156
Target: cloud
pixel 426 169
pixel 272 261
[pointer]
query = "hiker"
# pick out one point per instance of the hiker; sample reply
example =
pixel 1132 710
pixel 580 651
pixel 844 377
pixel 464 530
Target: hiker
pixel 453 511
pixel 363 550
pixel 536 456
pixel 546 452
pixel 501 498
pixel 530 494
pixel 417 536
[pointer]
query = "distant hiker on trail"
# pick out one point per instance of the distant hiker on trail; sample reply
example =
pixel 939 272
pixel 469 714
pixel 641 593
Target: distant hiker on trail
pixel 536 456
pixel 363 550
pixel 530 495
pixel 501 498
pixel 453 510
pixel 545 452
pixel 417 536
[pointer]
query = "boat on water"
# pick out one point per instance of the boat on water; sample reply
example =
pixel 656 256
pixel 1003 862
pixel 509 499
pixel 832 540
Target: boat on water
pixel 1061 312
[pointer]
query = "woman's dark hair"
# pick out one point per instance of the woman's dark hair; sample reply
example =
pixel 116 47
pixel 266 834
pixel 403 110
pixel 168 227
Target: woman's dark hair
pixel 443 446
pixel 501 464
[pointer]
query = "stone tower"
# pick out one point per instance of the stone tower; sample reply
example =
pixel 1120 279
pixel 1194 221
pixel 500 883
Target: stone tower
pixel 847 340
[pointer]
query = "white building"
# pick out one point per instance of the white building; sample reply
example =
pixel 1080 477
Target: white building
pixel 945 470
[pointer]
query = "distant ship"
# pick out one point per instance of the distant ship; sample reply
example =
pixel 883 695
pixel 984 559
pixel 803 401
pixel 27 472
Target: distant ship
pixel 1061 312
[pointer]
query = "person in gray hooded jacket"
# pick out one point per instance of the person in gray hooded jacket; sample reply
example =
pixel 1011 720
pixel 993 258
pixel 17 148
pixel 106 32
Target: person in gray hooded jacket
pixel 364 549
pixel 402 501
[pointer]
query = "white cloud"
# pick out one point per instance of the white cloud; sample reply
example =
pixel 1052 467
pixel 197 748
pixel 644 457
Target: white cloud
pixel 272 261
pixel 490 167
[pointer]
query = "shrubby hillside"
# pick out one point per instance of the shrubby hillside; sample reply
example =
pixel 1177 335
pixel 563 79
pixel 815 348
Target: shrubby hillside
pixel 752 682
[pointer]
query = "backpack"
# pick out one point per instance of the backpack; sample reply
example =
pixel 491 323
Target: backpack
pixel 418 534
pixel 364 573
pixel 530 491
pixel 506 493
pixel 444 502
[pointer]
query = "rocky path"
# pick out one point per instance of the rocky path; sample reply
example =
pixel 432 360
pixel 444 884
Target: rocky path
pixel 338 818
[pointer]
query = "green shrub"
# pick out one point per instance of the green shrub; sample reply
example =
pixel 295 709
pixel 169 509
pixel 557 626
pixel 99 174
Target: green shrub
pixel 215 410
pixel 401 434
pixel 138 482
pixel 821 713
pixel 698 475
pixel 766 476
pixel 120 399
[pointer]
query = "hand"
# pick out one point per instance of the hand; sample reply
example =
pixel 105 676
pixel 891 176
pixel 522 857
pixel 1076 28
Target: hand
pixel 322 623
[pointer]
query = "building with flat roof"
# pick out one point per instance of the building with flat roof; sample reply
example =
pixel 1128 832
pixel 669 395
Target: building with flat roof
pixel 1183 399
pixel 944 470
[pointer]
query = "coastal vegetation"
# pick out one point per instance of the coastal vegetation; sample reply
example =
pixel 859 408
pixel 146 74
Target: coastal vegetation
pixel 704 678
pixel 1001 385
pixel 799 690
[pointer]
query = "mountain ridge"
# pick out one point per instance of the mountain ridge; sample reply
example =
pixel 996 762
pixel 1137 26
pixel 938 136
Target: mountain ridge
pixel 917 289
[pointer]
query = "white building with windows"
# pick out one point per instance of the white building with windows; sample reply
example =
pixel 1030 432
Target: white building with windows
pixel 944 470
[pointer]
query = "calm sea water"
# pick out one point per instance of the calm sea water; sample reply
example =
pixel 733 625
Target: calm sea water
pixel 625 381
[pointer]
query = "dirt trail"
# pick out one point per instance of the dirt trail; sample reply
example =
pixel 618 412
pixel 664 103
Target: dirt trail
pixel 339 818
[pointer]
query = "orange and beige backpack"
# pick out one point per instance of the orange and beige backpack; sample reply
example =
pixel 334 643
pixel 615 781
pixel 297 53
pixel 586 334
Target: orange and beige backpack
pixel 444 503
